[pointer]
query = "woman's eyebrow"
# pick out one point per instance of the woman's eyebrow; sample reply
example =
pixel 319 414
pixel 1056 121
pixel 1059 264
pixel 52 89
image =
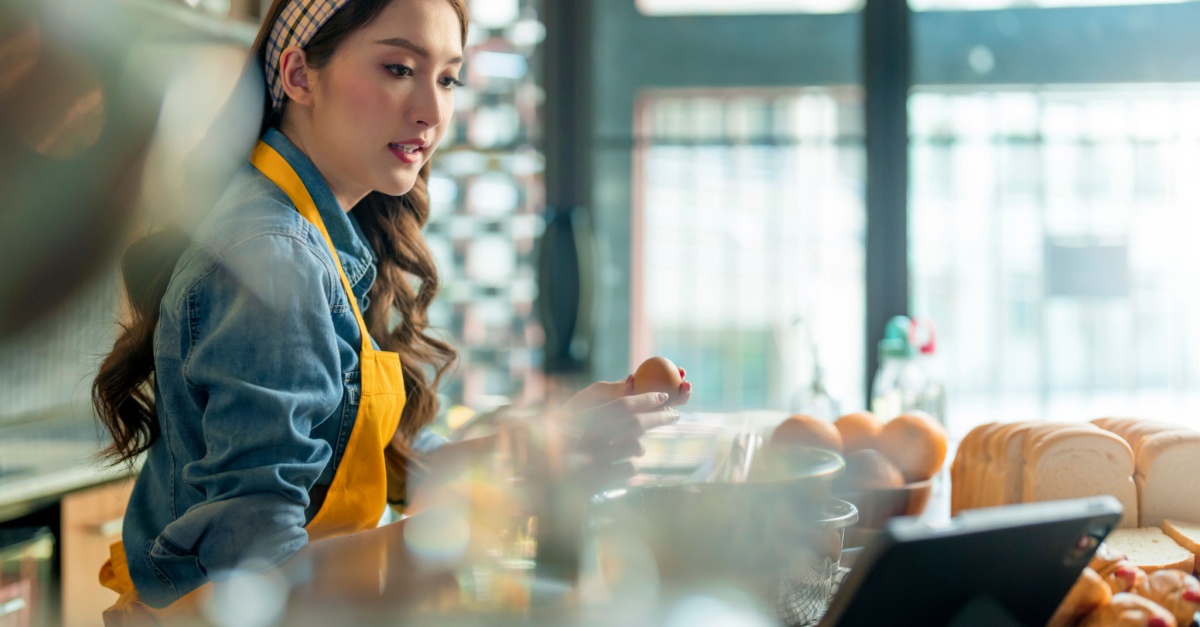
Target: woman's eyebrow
pixel 418 49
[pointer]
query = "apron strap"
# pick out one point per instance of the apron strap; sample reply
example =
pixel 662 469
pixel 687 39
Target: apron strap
pixel 276 168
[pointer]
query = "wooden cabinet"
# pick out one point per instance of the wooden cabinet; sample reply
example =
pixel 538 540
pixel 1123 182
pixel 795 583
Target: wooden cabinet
pixel 91 522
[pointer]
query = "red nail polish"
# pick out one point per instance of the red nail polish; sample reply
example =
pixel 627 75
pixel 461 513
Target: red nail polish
pixel 1156 622
pixel 687 386
pixel 1191 596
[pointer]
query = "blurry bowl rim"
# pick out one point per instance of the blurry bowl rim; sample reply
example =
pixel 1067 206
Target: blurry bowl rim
pixel 683 428
pixel 841 514
pixel 908 487
pixel 833 464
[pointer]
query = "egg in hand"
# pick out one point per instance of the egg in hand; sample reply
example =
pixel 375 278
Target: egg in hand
pixel 658 374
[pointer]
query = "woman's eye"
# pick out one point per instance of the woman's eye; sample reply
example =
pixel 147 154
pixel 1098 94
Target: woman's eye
pixel 399 70
pixel 450 82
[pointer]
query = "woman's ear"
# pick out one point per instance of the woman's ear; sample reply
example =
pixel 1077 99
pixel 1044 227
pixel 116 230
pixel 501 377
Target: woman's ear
pixel 296 76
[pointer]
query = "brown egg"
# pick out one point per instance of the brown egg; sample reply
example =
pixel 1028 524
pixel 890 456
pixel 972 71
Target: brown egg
pixel 915 443
pixel 805 430
pixel 869 469
pixel 859 431
pixel 658 374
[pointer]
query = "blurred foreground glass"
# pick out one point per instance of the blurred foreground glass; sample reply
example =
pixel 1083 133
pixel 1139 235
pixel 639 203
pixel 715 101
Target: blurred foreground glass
pixel 102 107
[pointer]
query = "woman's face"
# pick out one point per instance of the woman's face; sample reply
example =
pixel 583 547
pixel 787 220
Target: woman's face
pixel 383 102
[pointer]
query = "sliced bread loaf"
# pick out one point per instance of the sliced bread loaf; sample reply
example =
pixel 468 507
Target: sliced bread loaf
pixel 1078 461
pixel 1137 434
pixel 1009 470
pixel 1150 549
pixel 966 487
pixel 960 493
pixel 1168 470
pixel 991 492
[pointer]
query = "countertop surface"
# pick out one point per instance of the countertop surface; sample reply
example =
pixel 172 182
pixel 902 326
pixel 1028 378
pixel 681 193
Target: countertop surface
pixel 41 461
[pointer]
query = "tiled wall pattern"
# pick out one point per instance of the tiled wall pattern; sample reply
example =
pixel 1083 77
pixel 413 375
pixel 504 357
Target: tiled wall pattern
pixel 487 196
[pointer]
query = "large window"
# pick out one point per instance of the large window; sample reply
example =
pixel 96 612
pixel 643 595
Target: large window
pixel 1050 236
pixel 1050 199
pixel 748 217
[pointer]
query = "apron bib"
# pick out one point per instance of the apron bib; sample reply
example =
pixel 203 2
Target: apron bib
pixel 358 494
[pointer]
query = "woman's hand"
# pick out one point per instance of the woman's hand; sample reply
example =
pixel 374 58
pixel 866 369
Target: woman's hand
pixel 603 392
pixel 609 421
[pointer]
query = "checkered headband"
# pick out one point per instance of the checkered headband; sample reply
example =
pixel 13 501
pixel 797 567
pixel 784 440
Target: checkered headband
pixel 297 24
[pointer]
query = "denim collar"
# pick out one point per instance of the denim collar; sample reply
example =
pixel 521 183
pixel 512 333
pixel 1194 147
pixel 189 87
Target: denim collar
pixel 358 260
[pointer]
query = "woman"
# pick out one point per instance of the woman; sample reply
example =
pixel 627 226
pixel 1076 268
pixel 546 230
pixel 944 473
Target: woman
pixel 276 392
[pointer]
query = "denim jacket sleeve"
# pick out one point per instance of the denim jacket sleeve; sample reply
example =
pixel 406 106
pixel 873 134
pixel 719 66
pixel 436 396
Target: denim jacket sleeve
pixel 264 365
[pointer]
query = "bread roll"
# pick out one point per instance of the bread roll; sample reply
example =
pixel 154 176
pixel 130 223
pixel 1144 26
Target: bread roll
pixel 1129 610
pixel 1114 567
pixel 1176 591
pixel 1124 577
pixel 1089 592
pixel 1105 557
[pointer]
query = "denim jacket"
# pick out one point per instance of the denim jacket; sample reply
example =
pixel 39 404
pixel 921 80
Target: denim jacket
pixel 256 385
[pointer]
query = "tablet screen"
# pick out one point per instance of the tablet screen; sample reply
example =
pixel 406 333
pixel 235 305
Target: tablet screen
pixel 999 566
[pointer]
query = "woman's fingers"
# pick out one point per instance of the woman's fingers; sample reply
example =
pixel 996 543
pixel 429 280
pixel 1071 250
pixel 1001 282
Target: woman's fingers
pixel 628 417
pixel 600 393
pixel 650 420
pixel 685 394
pixel 637 403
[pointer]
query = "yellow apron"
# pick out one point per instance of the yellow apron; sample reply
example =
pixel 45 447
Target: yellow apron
pixel 358 495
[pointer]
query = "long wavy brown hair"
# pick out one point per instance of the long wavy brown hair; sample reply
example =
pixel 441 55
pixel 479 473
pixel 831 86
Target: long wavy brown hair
pixel 406 283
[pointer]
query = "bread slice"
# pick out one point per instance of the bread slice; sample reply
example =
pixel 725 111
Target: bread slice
pixel 1079 461
pixel 1135 430
pixel 958 480
pixel 1168 477
pixel 1137 434
pixel 1150 549
pixel 991 488
pixel 965 483
pixel 1013 477
pixel 1185 534
pixel 1006 463
pixel 1119 426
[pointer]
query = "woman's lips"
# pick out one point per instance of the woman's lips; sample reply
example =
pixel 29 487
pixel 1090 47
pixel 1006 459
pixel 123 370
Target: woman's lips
pixel 407 153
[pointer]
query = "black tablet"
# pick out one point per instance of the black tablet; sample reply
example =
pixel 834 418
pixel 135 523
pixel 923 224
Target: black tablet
pixel 1002 566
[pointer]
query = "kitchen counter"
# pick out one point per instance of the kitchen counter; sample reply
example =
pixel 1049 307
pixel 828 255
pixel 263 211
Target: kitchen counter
pixel 40 462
